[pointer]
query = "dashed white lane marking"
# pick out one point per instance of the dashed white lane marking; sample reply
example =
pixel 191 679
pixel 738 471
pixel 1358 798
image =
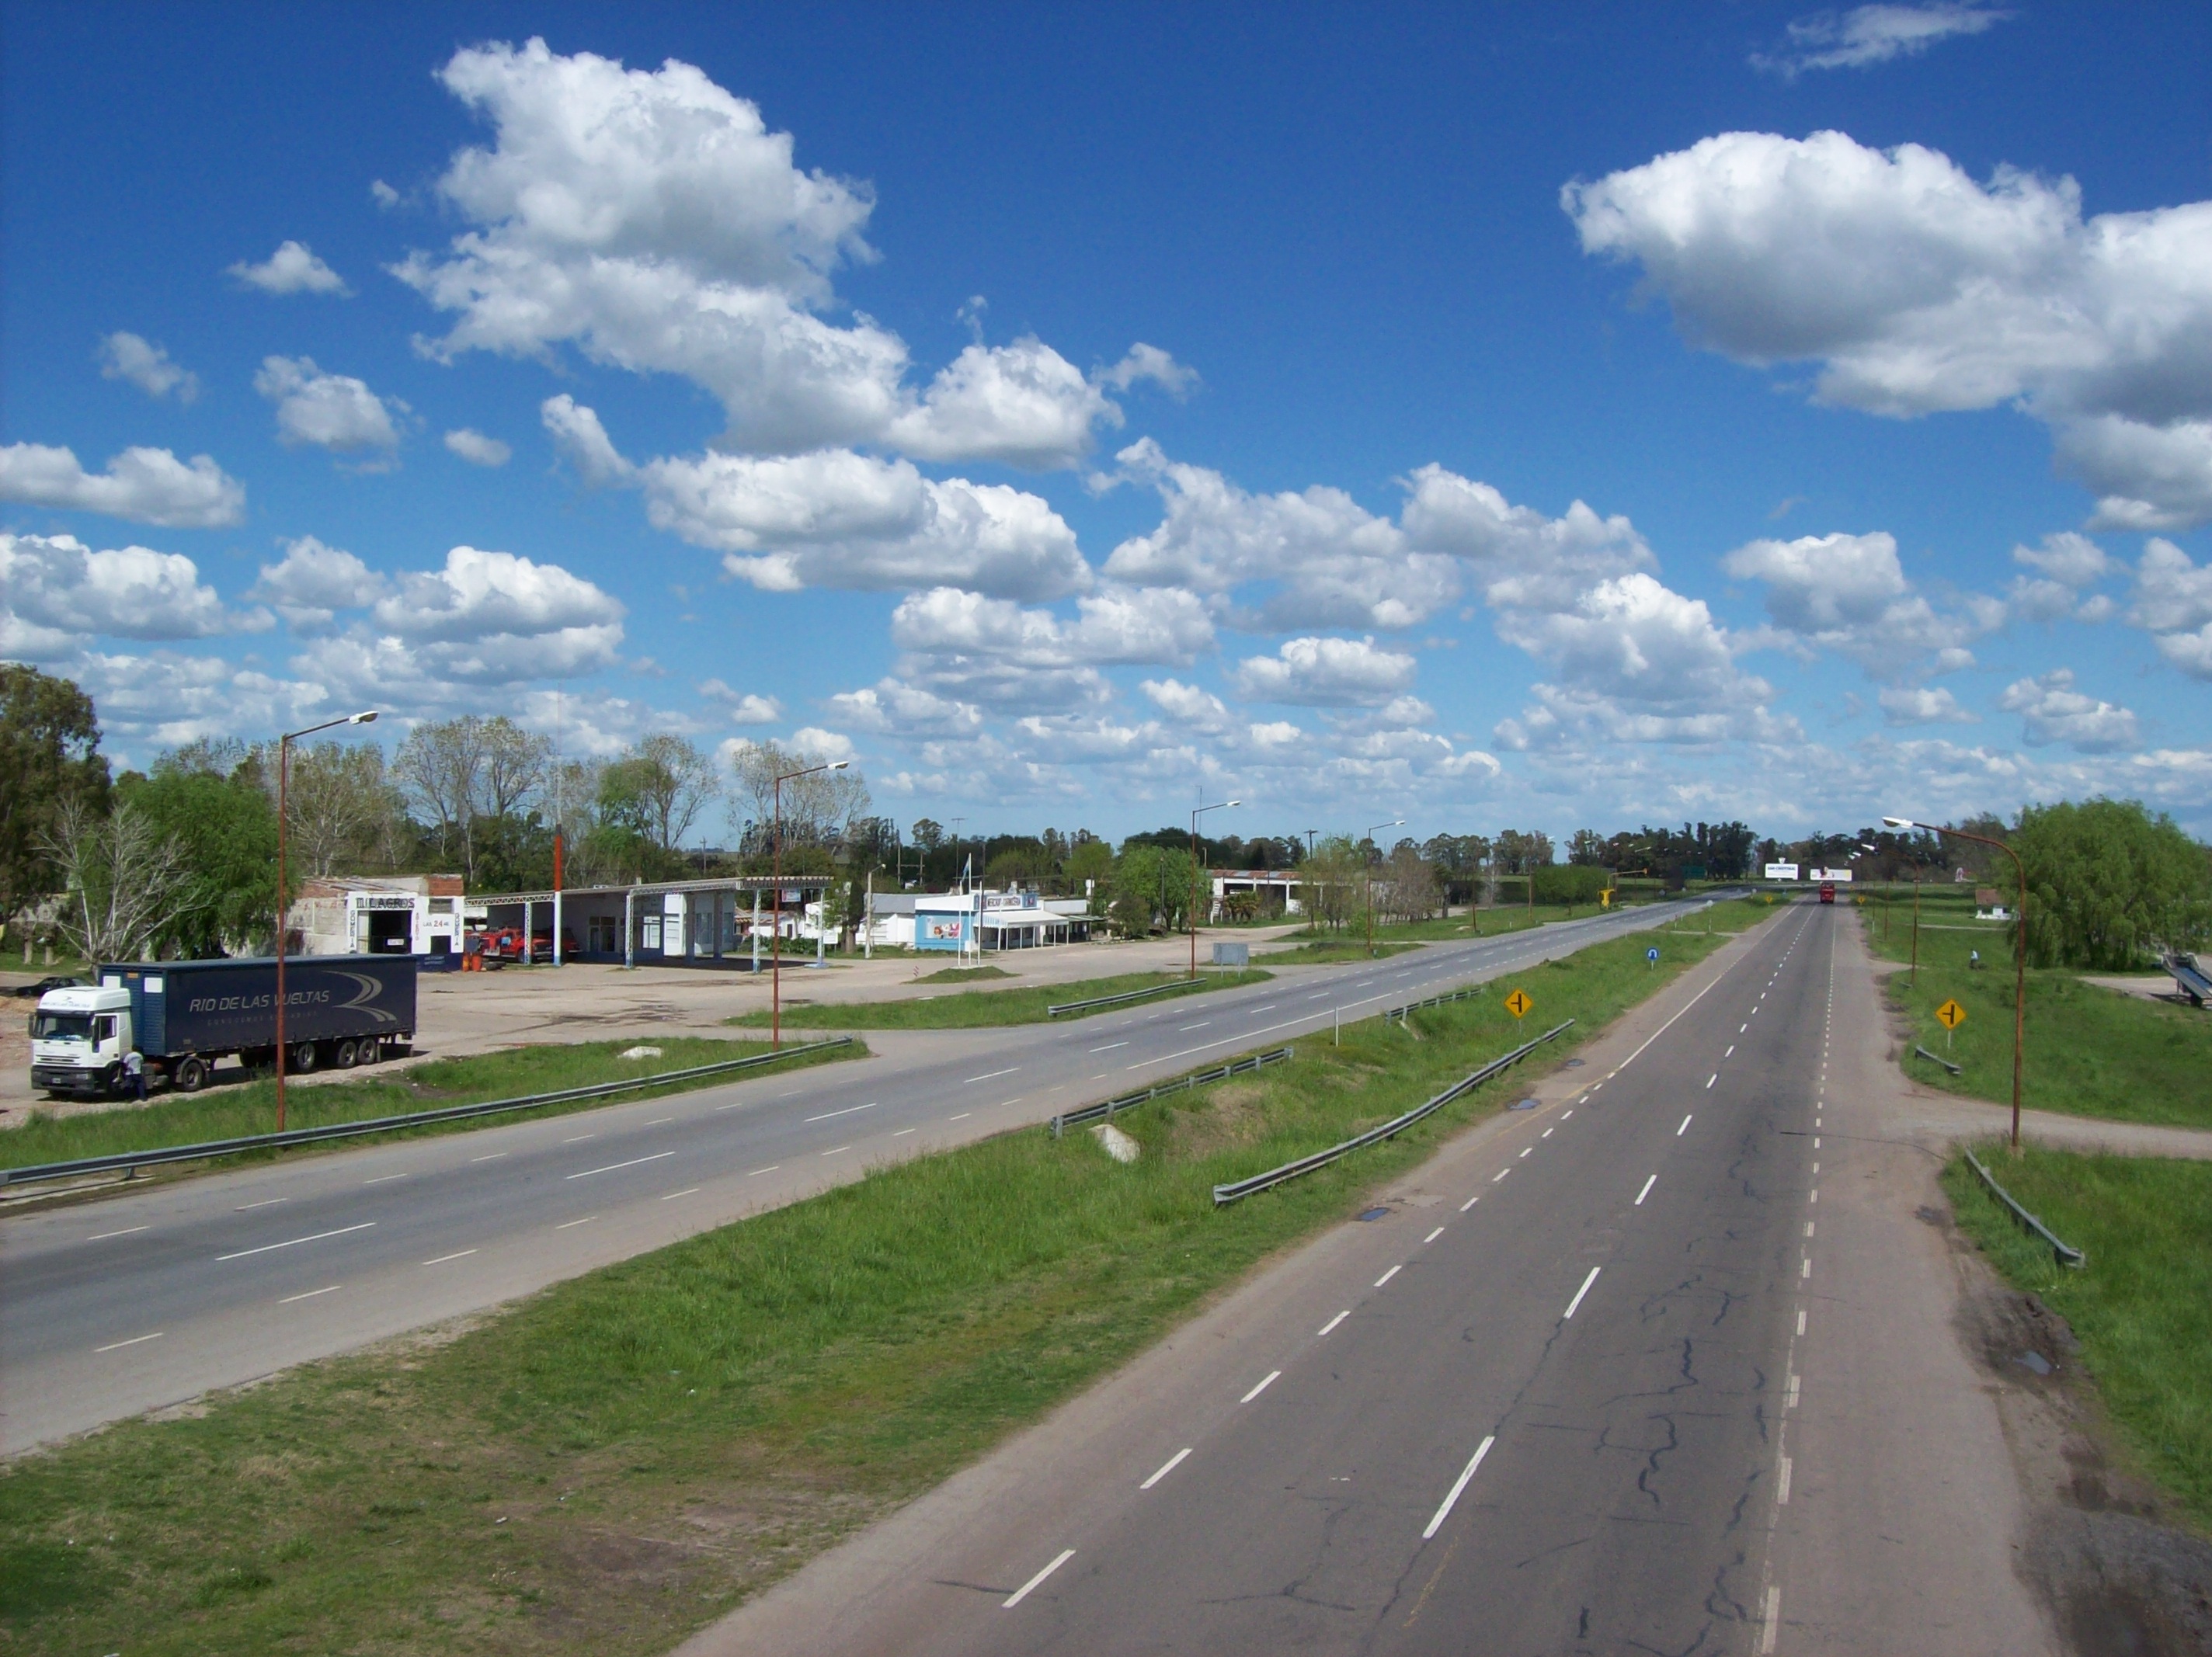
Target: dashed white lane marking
pixel 1432 1237
pixel 1773 1621
pixel 634 1162
pixel 1730 1053
pixel 102 1236
pixel 990 1075
pixel 757 1172
pixel 1332 1322
pixel 902 1133
pixel 384 1179
pixel 1790 1401
pixel 1683 1129
pixel 1806 1270
pixel 688 1191
pixel 1740 1028
pixel 839 1150
pixel 1109 1046
pixel 1565 1113
pixel 566 1224
pixel 442 1259
pixel 1545 1134
pixel 117 1346
pixel 580 1139
pixel 290 1242
pixel 848 1111
pixel 1500 1175
pixel 1387 1276
pixel 1714 1078
pixel 1469 1203
pixel 311 1294
pixel 1646 1191
pixel 660 1121
pixel 268 1202
pixel 1268 1380
pixel 1166 1467
pixel 1808 1228
pixel 1525 1151
pixel 1023 1592
pixel 1782 1485
pixel 1443 1510
pixel 1801 1320
pixel 961 1117
pixel 1816 1197
pixel 1579 1293
pixel 1202 1024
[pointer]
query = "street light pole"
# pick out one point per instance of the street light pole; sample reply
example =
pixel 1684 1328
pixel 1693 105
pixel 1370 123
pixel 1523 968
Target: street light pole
pixel 2019 952
pixel 1217 805
pixel 775 926
pixel 283 780
pixel 1369 869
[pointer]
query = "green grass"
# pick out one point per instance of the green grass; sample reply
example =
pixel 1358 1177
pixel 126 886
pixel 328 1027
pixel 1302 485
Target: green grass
pixel 234 1109
pixel 973 1009
pixel 2089 1051
pixel 963 974
pixel 1330 952
pixel 2142 1307
pixel 663 1437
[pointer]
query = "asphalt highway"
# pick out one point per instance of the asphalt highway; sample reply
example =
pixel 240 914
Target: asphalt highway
pixel 1546 1403
pixel 144 1300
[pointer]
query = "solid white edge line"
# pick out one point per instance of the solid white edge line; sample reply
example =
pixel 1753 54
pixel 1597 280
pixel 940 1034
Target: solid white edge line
pixel 1646 1191
pixel 634 1162
pixel 117 1346
pixel 1166 1467
pixel 1458 1484
pixel 1023 1592
pixel 1266 1382
pixel 1332 1322
pixel 1579 1293
pixel 288 1241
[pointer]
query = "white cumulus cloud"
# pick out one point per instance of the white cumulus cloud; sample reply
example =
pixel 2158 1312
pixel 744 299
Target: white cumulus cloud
pixel 1918 290
pixel 336 412
pixel 130 357
pixel 148 486
pixel 1849 593
pixel 313 581
pixel 2053 711
pixel 1923 704
pixel 473 447
pixel 56 593
pixel 2173 603
pixel 742 707
pixel 292 269
pixel 1867 35
pixel 1326 673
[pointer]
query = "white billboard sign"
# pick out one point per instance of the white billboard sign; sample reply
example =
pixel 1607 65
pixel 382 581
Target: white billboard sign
pixel 1782 872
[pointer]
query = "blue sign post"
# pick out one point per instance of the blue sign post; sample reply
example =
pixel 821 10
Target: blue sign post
pixel 1651 954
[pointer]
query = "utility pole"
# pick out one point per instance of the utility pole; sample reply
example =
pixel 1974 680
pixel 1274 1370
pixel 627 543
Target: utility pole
pixel 284 779
pixel 1195 813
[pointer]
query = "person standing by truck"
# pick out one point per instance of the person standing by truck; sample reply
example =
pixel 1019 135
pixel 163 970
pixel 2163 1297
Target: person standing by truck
pixel 134 1074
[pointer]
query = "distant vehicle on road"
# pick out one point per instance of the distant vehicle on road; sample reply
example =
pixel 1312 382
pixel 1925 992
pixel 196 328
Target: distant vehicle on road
pixel 53 981
pixel 1827 891
pixel 181 1016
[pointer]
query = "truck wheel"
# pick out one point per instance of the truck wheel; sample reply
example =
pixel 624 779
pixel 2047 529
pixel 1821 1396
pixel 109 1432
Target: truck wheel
pixel 304 1058
pixel 346 1055
pixel 190 1074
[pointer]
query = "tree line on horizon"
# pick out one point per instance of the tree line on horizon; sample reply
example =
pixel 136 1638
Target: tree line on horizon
pixel 179 860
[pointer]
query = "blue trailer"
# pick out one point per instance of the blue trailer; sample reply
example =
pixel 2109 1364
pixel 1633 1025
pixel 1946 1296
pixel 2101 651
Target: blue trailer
pixel 184 1016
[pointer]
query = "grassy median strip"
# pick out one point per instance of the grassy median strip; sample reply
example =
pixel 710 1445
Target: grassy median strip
pixel 2090 1051
pixel 2142 1307
pixel 973 1009
pixel 235 1109
pixel 616 1460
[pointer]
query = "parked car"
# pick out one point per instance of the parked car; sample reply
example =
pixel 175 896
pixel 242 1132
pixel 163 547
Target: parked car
pixel 51 981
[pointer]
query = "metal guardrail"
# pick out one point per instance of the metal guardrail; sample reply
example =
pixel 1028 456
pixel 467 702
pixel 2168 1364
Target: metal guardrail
pixel 1236 1190
pixel 1938 1058
pixel 307 1136
pixel 1126 995
pixel 1201 1078
pixel 1461 994
pixel 2065 1255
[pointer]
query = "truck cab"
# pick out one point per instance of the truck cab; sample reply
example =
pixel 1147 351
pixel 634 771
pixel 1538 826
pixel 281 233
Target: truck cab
pixel 1827 891
pixel 78 1038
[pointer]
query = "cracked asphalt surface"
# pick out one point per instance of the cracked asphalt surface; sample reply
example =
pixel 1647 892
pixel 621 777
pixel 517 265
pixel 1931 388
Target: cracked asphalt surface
pixel 1495 1449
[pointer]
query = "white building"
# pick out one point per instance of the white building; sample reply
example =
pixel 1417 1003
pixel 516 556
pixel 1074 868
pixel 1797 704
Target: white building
pixel 402 914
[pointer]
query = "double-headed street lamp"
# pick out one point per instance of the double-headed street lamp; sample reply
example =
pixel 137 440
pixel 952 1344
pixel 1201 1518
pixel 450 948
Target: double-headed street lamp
pixel 2019 952
pixel 1394 822
pixel 1217 805
pixel 283 780
pixel 776 927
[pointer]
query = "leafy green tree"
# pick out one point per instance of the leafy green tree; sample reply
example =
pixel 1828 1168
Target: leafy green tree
pixel 225 828
pixel 1090 861
pixel 1569 882
pixel 2109 884
pixel 49 758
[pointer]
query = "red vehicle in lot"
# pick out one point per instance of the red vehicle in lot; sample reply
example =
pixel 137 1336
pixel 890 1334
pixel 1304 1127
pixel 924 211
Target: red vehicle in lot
pixel 1827 891
pixel 498 945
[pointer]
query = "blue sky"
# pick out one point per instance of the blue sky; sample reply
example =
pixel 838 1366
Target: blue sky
pixel 1788 415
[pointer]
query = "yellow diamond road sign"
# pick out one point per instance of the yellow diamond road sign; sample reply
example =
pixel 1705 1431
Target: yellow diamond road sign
pixel 1950 1014
pixel 1518 1003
